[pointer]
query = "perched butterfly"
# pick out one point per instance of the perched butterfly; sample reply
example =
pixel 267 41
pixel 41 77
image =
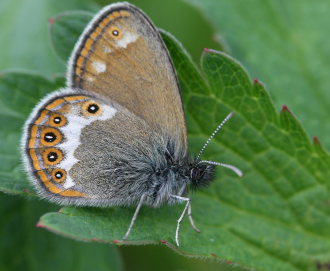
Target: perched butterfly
pixel 116 135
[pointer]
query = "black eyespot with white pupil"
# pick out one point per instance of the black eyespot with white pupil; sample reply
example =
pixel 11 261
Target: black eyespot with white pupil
pixel 50 137
pixel 52 156
pixel 93 108
pixel 58 175
pixel 57 120
pixel 115 33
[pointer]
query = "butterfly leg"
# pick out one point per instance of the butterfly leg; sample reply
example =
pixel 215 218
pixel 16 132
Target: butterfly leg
pixel 186 208
pixel 181 217
pixel 192 222
pixel 134 217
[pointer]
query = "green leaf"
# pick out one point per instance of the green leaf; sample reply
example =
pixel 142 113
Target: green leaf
pixel 275 218
pixel 24 247
pixel 19 93
pixel 73 22
pixel 285 44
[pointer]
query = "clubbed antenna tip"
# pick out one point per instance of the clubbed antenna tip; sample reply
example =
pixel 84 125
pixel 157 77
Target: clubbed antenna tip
pixel 231 167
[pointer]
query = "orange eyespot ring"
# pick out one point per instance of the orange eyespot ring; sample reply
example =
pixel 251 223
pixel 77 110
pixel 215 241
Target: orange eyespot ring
pixel 50 137
pixel 115 32
pixel 57 120
pixel 52 156
pixel 59 175
pixel 92 108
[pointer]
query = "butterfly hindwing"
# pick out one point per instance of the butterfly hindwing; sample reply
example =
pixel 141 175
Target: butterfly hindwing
pixel 83 149
pixel 52 135
pixel 121 56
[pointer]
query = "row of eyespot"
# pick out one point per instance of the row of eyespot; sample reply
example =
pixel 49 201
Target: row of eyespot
pixel 53 157
pixel 51 136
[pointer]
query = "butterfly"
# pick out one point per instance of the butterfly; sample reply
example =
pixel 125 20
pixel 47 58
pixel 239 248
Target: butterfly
pixel 116 134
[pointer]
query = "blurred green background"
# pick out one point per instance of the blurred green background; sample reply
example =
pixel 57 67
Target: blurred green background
pixel 25 45
pixel 24 33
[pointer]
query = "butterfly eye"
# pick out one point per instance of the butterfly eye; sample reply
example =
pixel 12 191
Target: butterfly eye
pixel 59 175
pixel 52 156
pixel 92 108
pixel 51 137
pixel 58 120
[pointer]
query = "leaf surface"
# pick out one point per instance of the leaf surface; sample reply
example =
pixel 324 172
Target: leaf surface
pixel 284 44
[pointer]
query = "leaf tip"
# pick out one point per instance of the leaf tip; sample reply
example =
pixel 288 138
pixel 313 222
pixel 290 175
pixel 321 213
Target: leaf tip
pixel 285 108
pixel 208 50
pixel 40 225
pixel 168 244
pixel 256 81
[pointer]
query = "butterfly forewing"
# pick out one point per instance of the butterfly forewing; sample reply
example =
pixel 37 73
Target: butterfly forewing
pixel 122 56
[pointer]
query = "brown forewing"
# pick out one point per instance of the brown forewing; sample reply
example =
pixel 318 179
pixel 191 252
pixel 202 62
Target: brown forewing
pixel 122 56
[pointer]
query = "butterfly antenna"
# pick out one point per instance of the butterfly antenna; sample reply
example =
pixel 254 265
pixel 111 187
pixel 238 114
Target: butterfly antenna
pixel 229 116
pixel 233 168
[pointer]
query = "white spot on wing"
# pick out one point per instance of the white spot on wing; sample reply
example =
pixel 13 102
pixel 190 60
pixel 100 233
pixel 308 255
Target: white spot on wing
pixel 107 50
pixel 68 183
pixel 72 132
pixel 127 39
pixel 99 66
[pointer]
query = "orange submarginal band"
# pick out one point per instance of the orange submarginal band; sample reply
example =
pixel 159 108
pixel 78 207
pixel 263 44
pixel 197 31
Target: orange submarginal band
pixel 34 131
pixel 94 36
pixel 48 183
pixel 56 190
pixel 73 193
pixel 35 159
pixel 55 104
pixel 76 98
pixel 43 116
